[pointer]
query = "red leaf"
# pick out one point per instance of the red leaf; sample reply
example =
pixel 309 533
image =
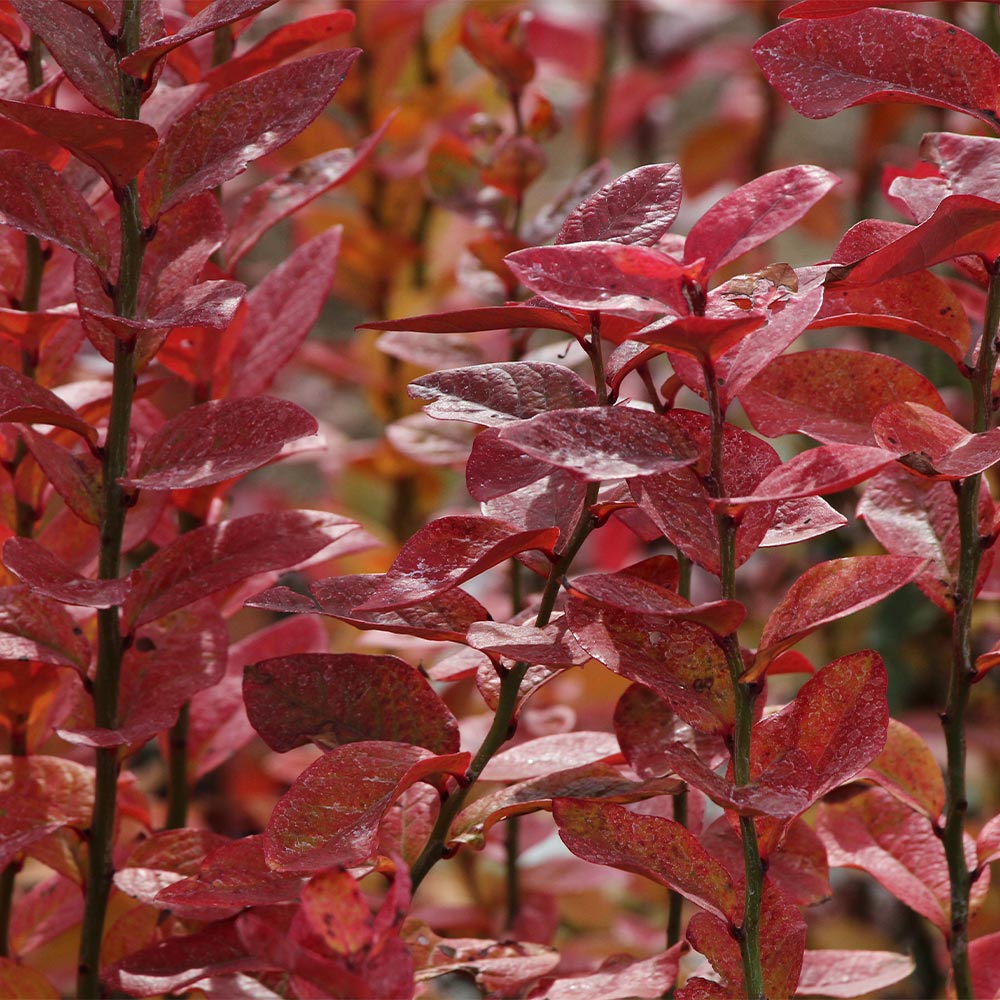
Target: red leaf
pixel 36 200
pixel 494 45
pixel 211 17
pixel 984 958
pixel 48 575
pixel 619 978
pixel 908 769
pixel 333 699
pixel 801 518
pixel 559 752
pixel 826 592
pixel 962 224
pixel 278 323
pixel 637 207
pixel 839 973
pixel 511 316
pixel 753 214
pixel 221 134
pixel 703 338
pixel 116 148
pixel 920 305
pixel 967 162
pixel 23 401
pixel 330 816
pixel 233 875
pixel 219 440
pixel 603 275
pixel 284 42
pixel 603 442
pixel 916 517
pixel 497 395
pixel 33 628
pixel 447 552
pixel 38 795
pixel 828 468
pixel 880 835
pixel 22 981
pixel 211 558
pixel 78 45
pixel 680 661
pixel 495 469
pixel 823 66
pixel 552 645
pixel 276 199
pixel 988 841
pixel 835 727
pixel 678 502
pixel 832 395
pixel 74 475
pixel 657 848
pixel 595 781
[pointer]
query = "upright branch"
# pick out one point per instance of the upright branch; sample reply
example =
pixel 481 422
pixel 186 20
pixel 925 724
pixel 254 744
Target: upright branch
pixel 110 647
pixel 745 695
pixel 963 671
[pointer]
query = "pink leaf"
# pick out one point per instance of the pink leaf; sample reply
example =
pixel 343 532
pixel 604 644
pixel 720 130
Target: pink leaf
pixel 334 699
pixel 638 207
pixel 826 592
pixel 330 816
pixel 277 323
pixel 219 440
pixel 447 552
pixel 754 213
pixel 824 66
pixel 703 338
pixel 37 200
pixel 603 275
pixel 603 442
pixel 839 973
pixel 217 138
pixel 908 769
pixel 619 978
pixel 48 575
pixel 499 394
pixel 211 17
pixel 74 475
pixel 984 958
pixel 552 645
pixel 211 558
pixel 23 401
pixel 801 518
pixel 657 848
pixel 832 395
pixel 546 754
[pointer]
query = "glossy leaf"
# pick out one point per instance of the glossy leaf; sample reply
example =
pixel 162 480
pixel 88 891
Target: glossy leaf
pixel 984 959
pixel 802 518
pixel 447 552
pixel 490 318
pixel 880 835
pixel 603 275
pixel 38 795
pixel 277 324
pixel 37 200
pixel 551 645
pixel 219 440
pixel 754 213
pixel 546 754
pixel 603 442
pixel 497 469
pixel 498 395
pixel 831 394
pixel 908 769
pixel 217 138
pixel 657 848
pixel 34 628
pixel 917 517
pixel 331 814
pixel 823 66
pixel 47 575
pixel 618 978
pixel 22 400
pixel 213 557
pixel 920 305
pixel 334 699
pixel 838 973
pixel 826 592
pixel 703 338
pixel 211 17
pixel 637 207
pixel 678 502
pixel 74 475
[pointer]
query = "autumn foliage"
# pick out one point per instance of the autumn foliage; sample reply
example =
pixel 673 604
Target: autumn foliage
pixel 461 537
